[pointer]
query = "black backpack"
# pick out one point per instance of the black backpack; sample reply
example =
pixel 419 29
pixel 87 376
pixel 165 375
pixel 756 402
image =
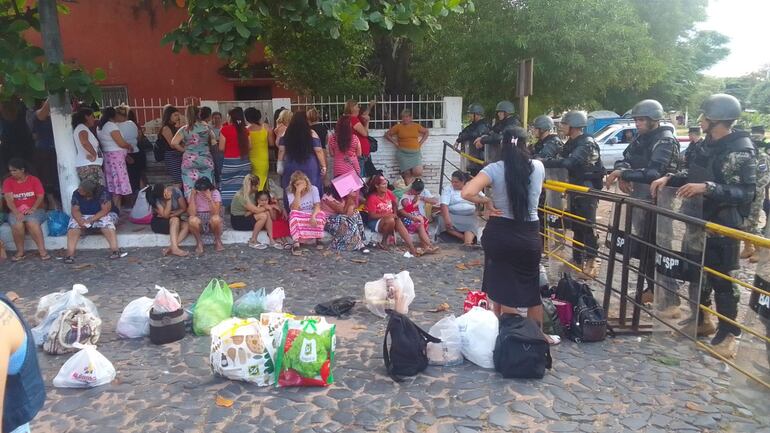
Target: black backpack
pixel 521 350
pixel 408 344
pixel 568 289
pixel 336 307
pixel 589 321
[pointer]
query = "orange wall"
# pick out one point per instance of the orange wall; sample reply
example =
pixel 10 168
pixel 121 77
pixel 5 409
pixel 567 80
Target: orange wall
pixel 110 35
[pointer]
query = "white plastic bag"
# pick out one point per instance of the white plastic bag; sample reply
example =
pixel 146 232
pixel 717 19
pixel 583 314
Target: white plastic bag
pixel 166 301
pixel 85 369
pixel 242 349
pixel 449 351
pixel 141 213
pixel 134 321
pixel 51 306
pixel 478 331
pixel 378 298
pixel 543 277
pixel 274 301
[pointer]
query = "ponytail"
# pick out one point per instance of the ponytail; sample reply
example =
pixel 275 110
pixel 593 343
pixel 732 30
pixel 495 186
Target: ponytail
pixel 517 164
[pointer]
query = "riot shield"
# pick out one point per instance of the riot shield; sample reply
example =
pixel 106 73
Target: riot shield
pixel 753 351
pixel 642 225
pixel 678 258
pixel 556 244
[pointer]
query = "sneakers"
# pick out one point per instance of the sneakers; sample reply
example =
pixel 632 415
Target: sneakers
pixel 703 329
pixel 723 343
pixel 590 269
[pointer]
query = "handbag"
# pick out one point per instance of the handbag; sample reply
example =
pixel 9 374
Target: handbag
pixel 373 144
pixel 167 327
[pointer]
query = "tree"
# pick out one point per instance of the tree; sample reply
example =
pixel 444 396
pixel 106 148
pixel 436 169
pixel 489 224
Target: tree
pixel 23 72
pixel 231 29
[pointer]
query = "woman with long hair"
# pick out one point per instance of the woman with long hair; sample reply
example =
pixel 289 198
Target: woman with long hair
pixel 511 241
pixel 194 140
pixel 248 213
pixel 382 207
pixel 136 160
pixel 89 158
pixel 169 217
pixel 300 150
pixel 306 220
pixel 206 214
pixel 24 196
pixel 282 120
pixel 172 157
pixel 343 221
pixel 260 140
pixel 116 150
pixel 359 121
pixel 234 144
pixel 345 148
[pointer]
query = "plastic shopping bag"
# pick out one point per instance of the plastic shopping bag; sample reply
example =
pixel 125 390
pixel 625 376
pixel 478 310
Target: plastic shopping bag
pixel 51 306
pixel 166 301
pixel 274 301
pixel 391 292
pixel 251 304
pixel 73 327
pixel 85 369
pixel 306 354
pixel 214 305
pixel 141 213
pixel 449 351
pixel 241 350
pixel 478 332
pixel 57 223
pixel 134 321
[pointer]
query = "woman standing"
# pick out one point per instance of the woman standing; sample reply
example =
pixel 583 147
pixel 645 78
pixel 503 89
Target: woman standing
pixel 345 148
pixel 458 214
pixel 260 137
pixel 306 220
pixel 360 124
pixel 169 208
pixel 116 150
pixel 408 137
pixel 315 124
pixel 172 157
pixel 89 160
pixel 281 123
pixel 343 221
pixel 194 140
pixel 300 150
pixel 512 244
pixel 24 196
pixel 234 144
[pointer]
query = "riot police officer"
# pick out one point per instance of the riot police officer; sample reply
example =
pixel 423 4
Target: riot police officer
pixel 752 223
pixel 465 141
pixel 694 135
pixel 580 156
pixel 723 170
pixel 505 121
pixel 653 153
pixel 548 144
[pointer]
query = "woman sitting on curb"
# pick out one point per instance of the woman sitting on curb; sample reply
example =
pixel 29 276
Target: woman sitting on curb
pixel 205 209
pixel 343 221
pixel 248 214
pixel 169 217
pixel 306 221
pixel 381 206
pixel 92 208
pixel 24 196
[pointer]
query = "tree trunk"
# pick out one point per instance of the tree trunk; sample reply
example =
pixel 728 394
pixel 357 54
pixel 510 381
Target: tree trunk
pixel 61 111
pixel 393 54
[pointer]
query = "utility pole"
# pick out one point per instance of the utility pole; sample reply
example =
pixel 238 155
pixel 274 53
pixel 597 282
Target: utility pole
pixel 524 88
pixel 61 110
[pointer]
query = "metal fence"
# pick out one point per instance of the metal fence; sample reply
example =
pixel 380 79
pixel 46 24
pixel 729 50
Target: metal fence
pixel 384 110
pixel 149 110
pixel 264 106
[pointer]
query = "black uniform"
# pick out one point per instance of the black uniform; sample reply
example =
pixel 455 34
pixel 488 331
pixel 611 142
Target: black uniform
pixel 494 138
pixel 547 148
pixel 730 164
pixel 466 138
pixel 581 157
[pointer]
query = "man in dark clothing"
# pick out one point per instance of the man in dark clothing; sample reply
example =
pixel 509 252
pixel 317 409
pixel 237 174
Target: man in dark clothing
pixel 491 143
pixel 548 144
pixel 580 156
pixel 653 153
pixel 465 141
pixel 723 170
pixel 45 152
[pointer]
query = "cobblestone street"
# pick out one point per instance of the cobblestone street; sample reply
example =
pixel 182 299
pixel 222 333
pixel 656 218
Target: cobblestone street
pixel 617 385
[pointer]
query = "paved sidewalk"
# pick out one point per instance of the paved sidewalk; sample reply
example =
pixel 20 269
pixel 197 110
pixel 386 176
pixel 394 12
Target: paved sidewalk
pixel 614 386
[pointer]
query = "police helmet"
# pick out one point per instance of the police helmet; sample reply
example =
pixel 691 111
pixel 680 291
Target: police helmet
pixel 575 119
pixel 543 123
pixel 476 108
pixel 721 106
pixel 648 108
pixel 505 107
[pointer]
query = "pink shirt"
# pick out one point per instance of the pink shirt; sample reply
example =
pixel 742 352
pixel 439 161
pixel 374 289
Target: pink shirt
pixel 202 205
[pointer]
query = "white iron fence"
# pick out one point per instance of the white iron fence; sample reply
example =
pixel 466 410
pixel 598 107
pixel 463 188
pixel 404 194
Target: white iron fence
pixel 150 110
pixel 427 110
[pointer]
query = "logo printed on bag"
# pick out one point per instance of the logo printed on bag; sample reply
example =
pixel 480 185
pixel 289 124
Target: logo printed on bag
pixel 308 352
pixel 87 375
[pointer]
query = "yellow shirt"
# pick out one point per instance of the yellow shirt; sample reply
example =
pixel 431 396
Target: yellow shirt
pixel 408 135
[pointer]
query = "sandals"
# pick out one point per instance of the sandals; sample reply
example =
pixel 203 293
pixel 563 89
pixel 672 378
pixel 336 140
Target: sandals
pixel 69 260
pixel 18 258
pixel 258 245
pixel 295 251
pixel 117 254
pixel 552 340
pixel 432 250
pixel 45 257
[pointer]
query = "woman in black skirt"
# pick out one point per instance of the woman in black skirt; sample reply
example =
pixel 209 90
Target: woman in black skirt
pixel 511 238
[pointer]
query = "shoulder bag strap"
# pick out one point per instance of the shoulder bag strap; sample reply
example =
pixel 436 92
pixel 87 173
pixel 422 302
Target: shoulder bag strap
pixel 427 336
pixel 386 356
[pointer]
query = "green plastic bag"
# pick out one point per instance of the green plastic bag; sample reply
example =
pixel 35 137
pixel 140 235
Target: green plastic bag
pixel 214 305
pixel 551 323
pixel 252 304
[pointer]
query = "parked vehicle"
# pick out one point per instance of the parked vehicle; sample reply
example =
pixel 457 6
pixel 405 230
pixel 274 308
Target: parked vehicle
pixel 614 138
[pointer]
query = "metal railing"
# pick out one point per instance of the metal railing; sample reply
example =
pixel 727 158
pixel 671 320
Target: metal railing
pixel 150 110
pixel 427 110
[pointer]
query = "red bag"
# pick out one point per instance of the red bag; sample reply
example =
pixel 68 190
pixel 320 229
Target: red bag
pixel 564 311
pixel 475 298
pixel 281 228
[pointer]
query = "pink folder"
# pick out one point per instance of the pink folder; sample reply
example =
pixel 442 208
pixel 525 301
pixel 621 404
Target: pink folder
pixel 347 183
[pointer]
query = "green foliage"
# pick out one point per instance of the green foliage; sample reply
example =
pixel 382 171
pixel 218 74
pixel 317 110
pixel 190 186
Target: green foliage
pixel 23 71
pixel 753 90
pixel 231 28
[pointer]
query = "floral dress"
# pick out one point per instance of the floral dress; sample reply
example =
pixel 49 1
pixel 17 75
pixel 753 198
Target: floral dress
pixel 196 159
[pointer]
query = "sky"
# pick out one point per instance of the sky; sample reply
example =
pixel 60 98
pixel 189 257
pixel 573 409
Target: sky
pixel 747 24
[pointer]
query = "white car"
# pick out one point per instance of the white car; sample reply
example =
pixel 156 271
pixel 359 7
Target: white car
pixel 614 138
